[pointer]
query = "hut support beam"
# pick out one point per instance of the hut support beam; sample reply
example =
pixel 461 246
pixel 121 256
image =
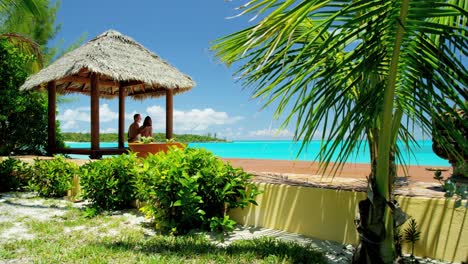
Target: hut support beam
pixel 169 112
pixel 121 115
pixel 51 136
pixel 94 117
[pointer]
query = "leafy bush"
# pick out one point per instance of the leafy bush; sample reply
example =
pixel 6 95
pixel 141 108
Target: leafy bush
pixel 52 178
pixel 461 170
pixel 224 224
pixel 23 114
pixel 459 192
pixel 454 186
pixel 107 183
pixel 191 188
pixel 146 140
pixel 13 174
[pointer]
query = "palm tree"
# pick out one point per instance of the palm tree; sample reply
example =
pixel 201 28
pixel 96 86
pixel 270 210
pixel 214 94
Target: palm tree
pixel 360 70
pixel 29 6
pixel 19 9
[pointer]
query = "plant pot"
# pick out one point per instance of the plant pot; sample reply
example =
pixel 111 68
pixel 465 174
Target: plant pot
pixel 143 149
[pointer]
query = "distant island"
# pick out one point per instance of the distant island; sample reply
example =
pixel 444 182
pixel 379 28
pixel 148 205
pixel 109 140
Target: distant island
pixel 113 137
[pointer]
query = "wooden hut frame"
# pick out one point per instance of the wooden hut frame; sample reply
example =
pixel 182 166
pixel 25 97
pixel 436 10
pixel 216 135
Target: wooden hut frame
pixel 111 65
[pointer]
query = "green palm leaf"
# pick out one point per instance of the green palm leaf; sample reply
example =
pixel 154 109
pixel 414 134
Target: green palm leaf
pixel 357 71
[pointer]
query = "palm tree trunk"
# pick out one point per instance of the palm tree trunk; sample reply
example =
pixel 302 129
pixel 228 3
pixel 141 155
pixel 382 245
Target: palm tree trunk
pixel 370 220
pixel 385 141
pixel 375 223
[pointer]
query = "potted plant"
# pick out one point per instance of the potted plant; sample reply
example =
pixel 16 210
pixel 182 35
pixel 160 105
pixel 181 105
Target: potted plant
pixel 445 131
pixel 147 145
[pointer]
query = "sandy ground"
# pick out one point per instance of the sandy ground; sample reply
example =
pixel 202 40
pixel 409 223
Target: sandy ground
pixel 411 181
pixel 350 170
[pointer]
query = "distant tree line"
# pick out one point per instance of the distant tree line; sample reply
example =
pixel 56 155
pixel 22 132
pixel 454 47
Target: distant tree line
pixel 158 137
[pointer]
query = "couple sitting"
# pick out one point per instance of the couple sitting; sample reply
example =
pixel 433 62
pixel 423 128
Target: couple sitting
pixel 135 131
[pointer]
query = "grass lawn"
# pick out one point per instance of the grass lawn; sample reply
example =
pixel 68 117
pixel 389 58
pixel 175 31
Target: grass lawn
pixel 67 236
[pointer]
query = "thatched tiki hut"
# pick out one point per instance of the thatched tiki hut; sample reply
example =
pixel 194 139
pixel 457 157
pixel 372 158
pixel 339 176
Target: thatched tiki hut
pixel 111 65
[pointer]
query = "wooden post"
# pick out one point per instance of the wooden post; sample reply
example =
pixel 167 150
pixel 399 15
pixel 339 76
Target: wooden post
pixel 121 115
pixel 169 112
pixel 94 116
pixel 51 137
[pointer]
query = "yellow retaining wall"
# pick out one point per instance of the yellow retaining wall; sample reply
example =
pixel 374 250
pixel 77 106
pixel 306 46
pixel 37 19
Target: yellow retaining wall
pixel 329 214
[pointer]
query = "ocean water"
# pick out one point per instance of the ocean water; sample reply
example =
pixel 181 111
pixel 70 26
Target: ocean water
pixel 288 150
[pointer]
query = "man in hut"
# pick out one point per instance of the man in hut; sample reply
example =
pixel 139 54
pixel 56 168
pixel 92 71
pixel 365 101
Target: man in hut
pixel 134 129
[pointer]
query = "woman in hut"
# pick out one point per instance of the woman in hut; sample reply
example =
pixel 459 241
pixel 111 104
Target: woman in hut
pixel 147 128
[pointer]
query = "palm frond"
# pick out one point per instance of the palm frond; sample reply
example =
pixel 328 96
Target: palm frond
pixel 331 60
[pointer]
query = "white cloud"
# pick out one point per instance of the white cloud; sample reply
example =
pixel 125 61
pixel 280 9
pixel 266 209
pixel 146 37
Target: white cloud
pixel 194 120
pixel 109 130
pixel 70 117
pixel 271 133
pixel 229 132
pixel 106 115
pixel 83 114
pixel 73 115
pixel 69 125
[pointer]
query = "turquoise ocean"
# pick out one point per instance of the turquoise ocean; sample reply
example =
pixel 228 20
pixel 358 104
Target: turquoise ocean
pixel 288 150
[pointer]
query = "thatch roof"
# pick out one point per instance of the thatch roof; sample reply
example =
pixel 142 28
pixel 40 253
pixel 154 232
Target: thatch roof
pixel 118 60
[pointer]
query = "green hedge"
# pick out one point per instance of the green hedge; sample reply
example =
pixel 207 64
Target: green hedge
pixel 52 178
pixel 191 188
pixel 181 189
pixel 108 183
pixel 13 175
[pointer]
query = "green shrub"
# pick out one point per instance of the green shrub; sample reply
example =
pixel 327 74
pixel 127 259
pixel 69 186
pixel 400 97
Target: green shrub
pixel 52 178
pixel 107 183
pixel 13 174
pixel 146 140
pixel 461 170
pixel 191 188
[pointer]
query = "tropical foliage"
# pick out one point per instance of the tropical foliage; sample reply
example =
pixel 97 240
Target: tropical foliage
pixel 351 70
pixel 13 175
pixel 52 178
pixel 180 190
pixel 191 188
pixel 23 114
pixel 28 7
pixel 108 183
pixel 412 235
pixel 28 25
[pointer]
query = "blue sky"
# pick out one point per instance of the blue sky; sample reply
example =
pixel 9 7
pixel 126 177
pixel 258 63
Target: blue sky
pixel 179 31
